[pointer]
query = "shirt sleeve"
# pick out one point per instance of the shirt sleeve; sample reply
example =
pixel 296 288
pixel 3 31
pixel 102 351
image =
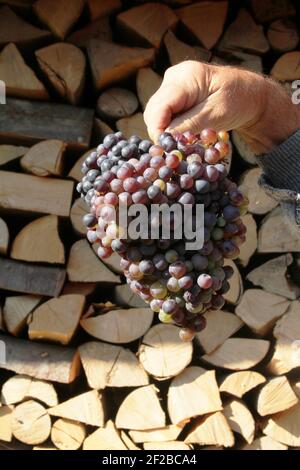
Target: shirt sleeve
pixel 281 176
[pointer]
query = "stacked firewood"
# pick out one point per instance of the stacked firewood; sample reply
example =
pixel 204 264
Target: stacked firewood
pixel 84 363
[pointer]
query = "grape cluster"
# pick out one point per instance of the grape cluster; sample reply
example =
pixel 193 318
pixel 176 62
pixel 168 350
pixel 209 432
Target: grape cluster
pixel 184 168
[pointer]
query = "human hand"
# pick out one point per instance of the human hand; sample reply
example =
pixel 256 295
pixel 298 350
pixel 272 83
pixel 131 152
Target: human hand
pixel 195 95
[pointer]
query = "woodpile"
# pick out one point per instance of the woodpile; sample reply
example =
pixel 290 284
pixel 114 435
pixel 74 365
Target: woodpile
pixel 87 366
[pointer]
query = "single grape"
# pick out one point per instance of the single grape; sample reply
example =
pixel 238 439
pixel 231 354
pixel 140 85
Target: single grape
pixel 172 161
pixel 164 317
pixel 177 269
pixel 204 281
pixel 200 262
pixel 186 334
pixel 202 186
pixel 208 136
pixel 185 282
pixel 158 290
pixel 212 155
pixel 156 151
pixel 172 285
pixel 146 267
pixel 171 256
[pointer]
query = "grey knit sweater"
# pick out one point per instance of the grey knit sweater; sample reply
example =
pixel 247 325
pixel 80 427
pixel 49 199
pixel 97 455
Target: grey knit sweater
pixel 281 177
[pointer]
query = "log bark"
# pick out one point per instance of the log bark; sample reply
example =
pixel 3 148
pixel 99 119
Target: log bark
pixel 64 66
pixel 41 361
pixel 260 310
pixel 107 365
pixel 57 320
pixel 26 123
pixel 212 430
pixel 192 393
pixel 119 326
pixel 220 325
pixel 85 266
pixel 20 388
pixel 31 423
pixel 238 353
pixel 86 408
pixel 116 103
pixel 147 83
pixel 210 15
pixel 240 419
pixel 16 311
pixel 141 410
pixel 147 23
pixel 4 237
pixel 39 242
pixel 20 80
pixel 111 63
pixel 162 353
pixel 59 15
pixel 259 201
pixel 45 158
pixel 31 279
pixel 240 383
pixel 68 435
pixel 275 396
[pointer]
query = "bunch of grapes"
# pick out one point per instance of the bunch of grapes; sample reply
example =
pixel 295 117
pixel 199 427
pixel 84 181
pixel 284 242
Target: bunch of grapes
pixel 179 285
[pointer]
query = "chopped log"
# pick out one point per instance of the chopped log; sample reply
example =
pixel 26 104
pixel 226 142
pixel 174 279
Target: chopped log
pixel 272 276
pixel 116 103
pixel 99 9
pixel 99 29
pixel 124 297
pixel 31 423
pixel 29 122
pixel 171 445
pixel 4 237
pixel 45 158
pixel 288 326
pixel 238 353
pixel 57 320
pixel 283 35
pixel 119 326
pixel 275 396
pixel 78 210
pixel 212 430
pixel 147 83
pixel 128 442
pixel 9 153
pixel 6 423
pixel 147 23
pixel 85 266
pixel 22 387
pixel 245 34
pixel 240 419
pixel 113 263
pixel 75 172
pixel 39 242
pixel 259 201
pixel 162 353
pixel 59 15
pixel 133 125
pixel 41 361
pixel 243 148
pixel 235 293
pixel 64 66
pixel 141 410
pixel 100 130
pixel 265 443
pixel 260 310
pixel 287 67
pixel 106 365
pixel 111 63
pixel 107 438
pixel 192 393
pixel 82 288
pixel 238 58
pixel 210 15
pixel 31 194
pixel 166 434
pixel 14 29
pixel 31 279
pixel 275 234
pixel 286 357
pixel 16 311
pixel 270 10
pixel 86 408
pixel 68 435
pixel 239 383
pixel 179 51
pixel 19 79
pixel 220 325
pixel 285 427
pixel 250 245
